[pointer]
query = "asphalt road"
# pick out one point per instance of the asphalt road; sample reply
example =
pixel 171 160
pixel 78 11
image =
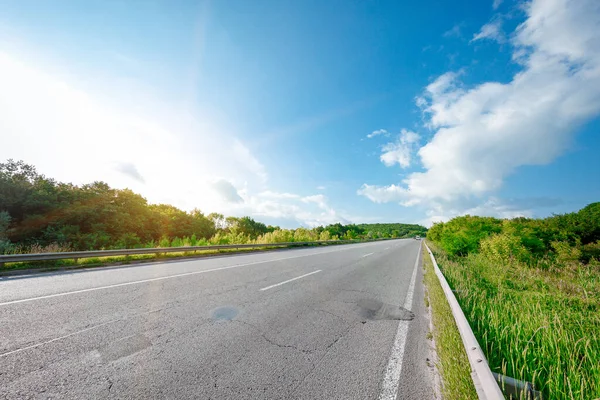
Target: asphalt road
pixel 337 322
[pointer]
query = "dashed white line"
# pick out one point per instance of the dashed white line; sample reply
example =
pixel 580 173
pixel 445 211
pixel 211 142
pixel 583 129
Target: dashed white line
pixel 367 255
pixel 387 248
pixel 289 280
pixel 391 380
pixel 162 278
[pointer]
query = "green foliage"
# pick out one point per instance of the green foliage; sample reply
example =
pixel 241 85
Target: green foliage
pixel 277 236
pixel 393 230
pixel 37 211
pixel 590 252
pixel 560 236
pixel 375 231
pixel 452 363
pixel 461 236
pixel 504 249
pixel 531 291
pixel 537 325
pixel 94 216
pixel 5 245
pixel 249 227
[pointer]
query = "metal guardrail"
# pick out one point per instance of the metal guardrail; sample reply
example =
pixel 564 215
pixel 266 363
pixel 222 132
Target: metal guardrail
pixel 158 250
pixel 516 389
pixel 485 383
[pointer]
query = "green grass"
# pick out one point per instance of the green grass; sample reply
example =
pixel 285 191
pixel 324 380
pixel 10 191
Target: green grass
pixel 453 364
pixel 538 324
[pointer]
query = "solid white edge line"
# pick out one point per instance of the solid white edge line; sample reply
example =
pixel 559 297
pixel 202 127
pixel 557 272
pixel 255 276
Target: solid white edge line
pixel 289 280
pixel 366 255
pixel 391 380
pixel 49 296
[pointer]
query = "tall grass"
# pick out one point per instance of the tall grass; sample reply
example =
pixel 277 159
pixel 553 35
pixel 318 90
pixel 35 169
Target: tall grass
pixel 536 323
pixel 37 248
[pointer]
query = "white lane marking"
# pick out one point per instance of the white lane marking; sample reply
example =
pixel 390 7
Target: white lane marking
pixel 112 321
pixel 391 380
pixel 387 248
pixel 163 278
pixel 367 255
pixel 58 338
pixel 289 280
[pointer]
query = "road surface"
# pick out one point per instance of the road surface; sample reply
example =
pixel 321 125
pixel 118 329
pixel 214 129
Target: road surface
pixel 331 322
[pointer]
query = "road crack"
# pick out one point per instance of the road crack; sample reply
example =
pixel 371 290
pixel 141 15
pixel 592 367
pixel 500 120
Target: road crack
pixel 273 342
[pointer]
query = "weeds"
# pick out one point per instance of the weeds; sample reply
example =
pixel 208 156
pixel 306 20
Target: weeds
pixel 453 364
pixel 538 324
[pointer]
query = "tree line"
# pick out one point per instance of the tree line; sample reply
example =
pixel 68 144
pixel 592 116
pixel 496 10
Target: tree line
pixel 37 211
pixel 566 237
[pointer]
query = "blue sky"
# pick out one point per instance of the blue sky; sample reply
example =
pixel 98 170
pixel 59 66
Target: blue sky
pixel 268 108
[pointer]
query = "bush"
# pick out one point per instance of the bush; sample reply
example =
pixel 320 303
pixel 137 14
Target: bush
pixel 177 242
pixel 305 235
pixel 164 242
pixel 504 249
pixel 277 236
pixel 590 252
pixel 325 235
pixel 128 241
pixel 462 235
pixel 6 247
pixel 565 253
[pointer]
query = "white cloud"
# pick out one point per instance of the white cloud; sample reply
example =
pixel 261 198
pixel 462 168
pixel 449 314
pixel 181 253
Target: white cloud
pixel 492 207
pixel 400 151
pixel 290 210
pixel 377 133
pixel 275 195
pixel 496 4
pixel 243 155
pixel 130 170
pixel 485 133
pixel 455 31
pixel 383 194
pixel 227 191
pixel 318 199
pixel 491 31
pixel 321 187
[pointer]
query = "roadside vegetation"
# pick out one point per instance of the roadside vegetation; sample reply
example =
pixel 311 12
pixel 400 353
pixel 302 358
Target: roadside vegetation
pixel 39 214
pixel 530 289
pixel 452 362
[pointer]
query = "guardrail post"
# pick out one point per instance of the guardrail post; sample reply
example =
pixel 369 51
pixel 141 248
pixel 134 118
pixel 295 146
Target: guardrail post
pixel 75 259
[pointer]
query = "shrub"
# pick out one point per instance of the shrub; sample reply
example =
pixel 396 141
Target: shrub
pixel 164 242
pixel 177 242
pixel 325 235
pixel 304 235
pixel 504 249
pixel 565 253
pixel 590 252
pixel 6 247
pixel 128 241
